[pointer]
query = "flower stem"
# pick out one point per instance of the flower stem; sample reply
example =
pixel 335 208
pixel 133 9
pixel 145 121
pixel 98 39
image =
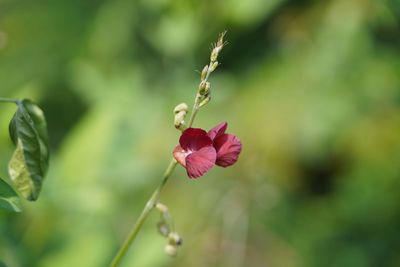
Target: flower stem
pixel 8 100
pixel 194 110
pixel 143 216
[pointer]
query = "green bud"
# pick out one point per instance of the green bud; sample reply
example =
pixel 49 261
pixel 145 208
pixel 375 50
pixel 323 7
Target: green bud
pixel 206 99
pixel 174 239
pixel 202 85
pixel 204 88
pixel 182 107
pixel 171 250
pixel 161 207
pixel 218 47
pixel 214 54
pixel 180 112
pixel 204 72
pixel 163 228
pixel 214 65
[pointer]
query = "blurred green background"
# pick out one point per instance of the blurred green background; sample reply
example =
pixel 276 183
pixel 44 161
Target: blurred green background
pixel 312 88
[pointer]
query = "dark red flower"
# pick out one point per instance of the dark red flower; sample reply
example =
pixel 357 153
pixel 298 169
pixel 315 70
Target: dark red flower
pixel 198 151
pixel 195 152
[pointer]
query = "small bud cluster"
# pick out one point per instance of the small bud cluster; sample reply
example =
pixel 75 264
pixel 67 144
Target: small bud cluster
pixel 203 95
pixel 165 227
pixel 174 241
pixel 204 92
pixel 217 47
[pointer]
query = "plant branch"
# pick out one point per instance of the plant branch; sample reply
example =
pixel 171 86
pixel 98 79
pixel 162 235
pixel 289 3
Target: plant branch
pixel 201 95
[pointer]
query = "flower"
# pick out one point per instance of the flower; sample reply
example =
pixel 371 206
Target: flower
pixel 198 151
pixel 195 152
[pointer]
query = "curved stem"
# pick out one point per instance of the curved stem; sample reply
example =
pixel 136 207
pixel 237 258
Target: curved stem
pixel 143 216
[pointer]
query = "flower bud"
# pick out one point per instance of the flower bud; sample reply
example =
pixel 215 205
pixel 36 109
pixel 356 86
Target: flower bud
pixel 218 47
pixel 163 228
pixel 214 54
pixel 180 114
pixel 202 85
pixel 213 66
pixel 206 99
pixel 182 107
pixel 204 72
pixel 179 120
pixel 174 239
pixel 204 88
pixel 161 207
pixel 171 250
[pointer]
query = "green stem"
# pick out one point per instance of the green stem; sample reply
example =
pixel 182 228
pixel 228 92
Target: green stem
pixel 8 100
pixel 143 216
pixel 194 110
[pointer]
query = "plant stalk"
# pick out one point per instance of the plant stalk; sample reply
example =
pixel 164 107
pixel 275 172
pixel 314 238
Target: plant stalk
pixel 143 216
pixel 8 100
pixel 194 110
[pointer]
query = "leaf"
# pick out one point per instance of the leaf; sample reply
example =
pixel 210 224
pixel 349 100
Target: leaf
pixel 9 199
pixel 29 163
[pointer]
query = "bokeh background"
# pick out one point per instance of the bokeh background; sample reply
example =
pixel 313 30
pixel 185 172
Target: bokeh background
pixel 312 88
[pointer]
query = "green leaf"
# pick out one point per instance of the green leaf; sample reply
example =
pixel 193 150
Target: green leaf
pixel 9 199
pixel 29 163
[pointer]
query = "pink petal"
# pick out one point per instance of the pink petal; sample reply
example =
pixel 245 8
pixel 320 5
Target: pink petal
pixel 194 138
pixel 228 149
pixel 180 155
pixel 217 130
pixel 199 162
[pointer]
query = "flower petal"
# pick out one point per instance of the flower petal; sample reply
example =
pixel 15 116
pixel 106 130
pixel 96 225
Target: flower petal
pixel 194 138
pixel 217 130
pixel 180 155
pixel 228 148
pixel 199 162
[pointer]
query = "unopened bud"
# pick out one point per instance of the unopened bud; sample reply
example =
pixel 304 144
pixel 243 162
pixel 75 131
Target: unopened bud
pixel 163 228
pixel 180 114
pixel 214 54
pixel 206 99
pixel 204 88
pixel 202 85
pixel 214 65
pixel 181 107
pixel 171 250
pixel 208 87
pixel 218 47
pixel 174 239
pixel 161 207
pixel 204 72
pixel 179 120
